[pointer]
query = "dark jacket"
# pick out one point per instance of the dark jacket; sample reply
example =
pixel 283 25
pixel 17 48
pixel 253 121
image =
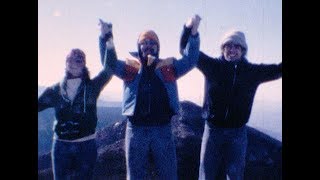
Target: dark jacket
pixel 152 107
pixel 75 119
pixel 230 87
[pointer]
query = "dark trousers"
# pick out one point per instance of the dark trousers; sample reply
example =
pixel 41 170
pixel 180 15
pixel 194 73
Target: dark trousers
pixel 73 160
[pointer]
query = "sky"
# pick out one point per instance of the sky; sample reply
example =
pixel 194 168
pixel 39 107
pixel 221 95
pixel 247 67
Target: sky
pixel 67 24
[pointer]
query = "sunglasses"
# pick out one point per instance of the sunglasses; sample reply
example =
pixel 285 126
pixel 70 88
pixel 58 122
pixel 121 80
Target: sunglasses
pixel 231 45
pixel 148 42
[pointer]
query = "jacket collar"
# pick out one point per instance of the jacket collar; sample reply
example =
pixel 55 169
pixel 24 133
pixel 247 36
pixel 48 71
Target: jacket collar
pixel 134 61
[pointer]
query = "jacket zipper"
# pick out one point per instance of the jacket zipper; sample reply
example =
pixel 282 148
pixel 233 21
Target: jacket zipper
pixel 149 90
pixel 84 100
pixel 149 98
pixel 233 82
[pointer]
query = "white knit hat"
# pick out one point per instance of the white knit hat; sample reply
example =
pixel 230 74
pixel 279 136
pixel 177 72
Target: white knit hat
pixel 236 37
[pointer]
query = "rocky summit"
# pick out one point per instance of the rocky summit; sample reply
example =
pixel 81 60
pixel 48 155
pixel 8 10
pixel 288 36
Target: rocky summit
pixel 264 153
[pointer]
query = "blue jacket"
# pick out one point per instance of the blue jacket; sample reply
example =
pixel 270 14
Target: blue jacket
pixel 167 70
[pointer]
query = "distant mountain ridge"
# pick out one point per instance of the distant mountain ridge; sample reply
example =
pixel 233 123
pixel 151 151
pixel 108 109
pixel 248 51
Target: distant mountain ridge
pixel 271 114
pixel 266 115
pixel 40 90
pixel 106 117
pixel 263 162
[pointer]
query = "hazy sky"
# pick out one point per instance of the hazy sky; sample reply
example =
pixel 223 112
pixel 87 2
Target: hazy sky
pixel 67 24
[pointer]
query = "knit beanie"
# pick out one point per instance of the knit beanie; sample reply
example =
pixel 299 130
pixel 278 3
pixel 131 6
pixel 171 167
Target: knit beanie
pixel 236 37
pixel 149 34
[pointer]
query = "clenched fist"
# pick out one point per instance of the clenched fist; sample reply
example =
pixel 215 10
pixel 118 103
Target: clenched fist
pixel 106 28
pixel 193 23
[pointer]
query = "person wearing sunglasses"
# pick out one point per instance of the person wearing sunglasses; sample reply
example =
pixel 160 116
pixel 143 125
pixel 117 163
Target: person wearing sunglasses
pixel 150 99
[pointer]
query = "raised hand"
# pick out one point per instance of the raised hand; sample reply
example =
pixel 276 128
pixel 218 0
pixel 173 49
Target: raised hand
pixel 193 23
pixel 106 28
